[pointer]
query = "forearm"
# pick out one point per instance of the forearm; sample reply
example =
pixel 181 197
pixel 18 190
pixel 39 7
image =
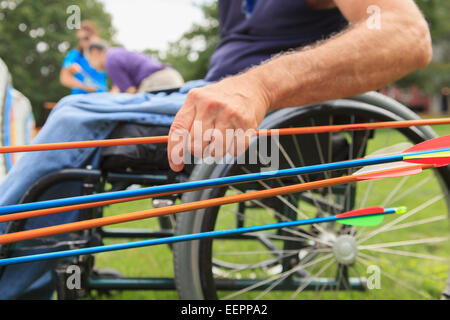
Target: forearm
pixel 131 89
pixel 70 81
pixel 357 60
pixel 114 89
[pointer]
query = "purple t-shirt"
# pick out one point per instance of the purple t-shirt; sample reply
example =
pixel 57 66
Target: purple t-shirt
pixel 272 26
pixel 128 69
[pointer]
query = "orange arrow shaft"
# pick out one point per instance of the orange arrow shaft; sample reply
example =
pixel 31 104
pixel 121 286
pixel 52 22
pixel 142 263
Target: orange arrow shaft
pixel 183 207
pixel 284 131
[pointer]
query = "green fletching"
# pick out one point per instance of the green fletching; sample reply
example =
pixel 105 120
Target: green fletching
pixel 367 221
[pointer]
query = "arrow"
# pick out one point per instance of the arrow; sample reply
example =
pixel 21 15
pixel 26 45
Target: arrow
pixel 362 217
pixel 439 159
pixel 281 132
pixel 437 156
pixel 401 169
pixel 202 204
pixel 367 217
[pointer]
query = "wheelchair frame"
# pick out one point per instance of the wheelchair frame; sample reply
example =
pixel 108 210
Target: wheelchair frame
pixel 94 181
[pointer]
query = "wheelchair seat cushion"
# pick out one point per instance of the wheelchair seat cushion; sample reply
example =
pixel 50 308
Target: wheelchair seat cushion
pixel 135 158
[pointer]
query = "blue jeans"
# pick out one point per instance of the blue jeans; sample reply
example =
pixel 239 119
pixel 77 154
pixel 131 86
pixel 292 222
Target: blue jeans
pixel 75 118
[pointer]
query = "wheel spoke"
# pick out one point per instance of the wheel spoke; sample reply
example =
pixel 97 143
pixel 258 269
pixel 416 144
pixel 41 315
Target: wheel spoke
pixel 364 144
pixel 243 267
pixel 409 191
pixel 414 275
pixel 323 287
pixel 330 195
pixel 363 202
pixel 292 231
pixel 402 217
pixel 350 170
pixel 283 217
pixel 394 192
pixel 409 254
pixel 286 273
pixel 395 279
pixel 350 185
pixel 306 236
pixel 311 278
pixel 292 165
pixel 388 138
pixel 226 212
pixel 232 253
pixel 300 154
pixel 281 198
pixel 273 285
pixel 405 243
pixel 418 222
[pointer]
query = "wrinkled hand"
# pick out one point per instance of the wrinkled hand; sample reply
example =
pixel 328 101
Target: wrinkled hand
pixel 222 113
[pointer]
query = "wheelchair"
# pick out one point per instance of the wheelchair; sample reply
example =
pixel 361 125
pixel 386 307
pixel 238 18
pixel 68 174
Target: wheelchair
pixel 404 258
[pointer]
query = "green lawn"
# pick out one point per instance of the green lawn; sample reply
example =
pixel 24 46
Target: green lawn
pixel 157 261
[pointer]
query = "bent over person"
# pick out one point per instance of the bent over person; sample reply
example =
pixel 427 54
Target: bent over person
pixel 132 72
pixel 272 54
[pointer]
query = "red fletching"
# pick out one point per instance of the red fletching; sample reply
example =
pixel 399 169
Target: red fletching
pixel 401 172
pixel 436 143
pixel 433 144
pixel 360 212
pixel 437 162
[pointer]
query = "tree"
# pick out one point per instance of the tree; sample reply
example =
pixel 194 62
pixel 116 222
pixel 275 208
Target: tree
pixel 437 75
pixel 191 53
pixel 34 38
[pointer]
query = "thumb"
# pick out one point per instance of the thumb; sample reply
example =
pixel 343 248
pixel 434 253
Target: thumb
pixel 179 136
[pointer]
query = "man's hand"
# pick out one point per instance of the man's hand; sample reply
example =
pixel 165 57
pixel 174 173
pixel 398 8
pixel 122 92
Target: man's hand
pixel 237 103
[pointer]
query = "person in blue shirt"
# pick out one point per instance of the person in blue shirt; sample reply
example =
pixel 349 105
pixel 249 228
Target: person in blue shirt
pixel 76 72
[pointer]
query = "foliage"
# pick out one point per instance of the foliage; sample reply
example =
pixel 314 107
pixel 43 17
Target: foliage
pixel 437 75
pixel 190 54
pixel 34 39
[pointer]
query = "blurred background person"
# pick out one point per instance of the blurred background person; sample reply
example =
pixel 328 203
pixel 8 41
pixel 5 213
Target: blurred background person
pixel 76 72
pixel 132 72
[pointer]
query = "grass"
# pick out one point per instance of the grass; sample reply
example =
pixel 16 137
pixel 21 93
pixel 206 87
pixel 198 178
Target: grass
pixel 157 261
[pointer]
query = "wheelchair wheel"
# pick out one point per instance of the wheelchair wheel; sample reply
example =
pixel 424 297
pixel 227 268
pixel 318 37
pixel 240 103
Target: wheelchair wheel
pixel 404 258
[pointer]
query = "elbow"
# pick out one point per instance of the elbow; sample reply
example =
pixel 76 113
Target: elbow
pixel 410 35
pixel 423 48
pixel 62 79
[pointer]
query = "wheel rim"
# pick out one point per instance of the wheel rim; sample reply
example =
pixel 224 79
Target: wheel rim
pixel 375 247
